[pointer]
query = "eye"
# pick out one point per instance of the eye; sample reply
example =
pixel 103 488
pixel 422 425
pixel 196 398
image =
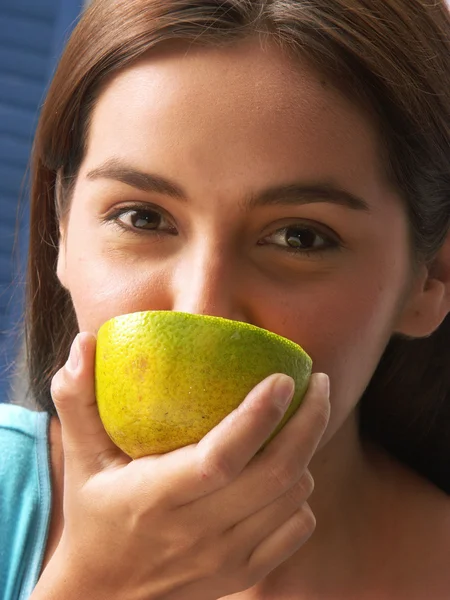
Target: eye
pixel 301 238
pixel 142 219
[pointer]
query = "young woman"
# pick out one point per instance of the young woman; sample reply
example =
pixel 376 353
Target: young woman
pixel 284 163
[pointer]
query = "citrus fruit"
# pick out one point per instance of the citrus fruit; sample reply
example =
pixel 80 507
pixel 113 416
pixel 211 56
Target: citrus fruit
pixel 165 378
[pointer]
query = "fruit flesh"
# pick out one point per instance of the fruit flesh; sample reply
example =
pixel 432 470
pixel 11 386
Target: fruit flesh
pixel 164 379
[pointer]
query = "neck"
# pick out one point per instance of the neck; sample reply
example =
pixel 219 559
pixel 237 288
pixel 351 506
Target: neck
pixel 346 503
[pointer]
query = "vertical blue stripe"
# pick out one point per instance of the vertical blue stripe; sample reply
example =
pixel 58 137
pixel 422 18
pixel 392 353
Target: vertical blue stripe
pixel 59 19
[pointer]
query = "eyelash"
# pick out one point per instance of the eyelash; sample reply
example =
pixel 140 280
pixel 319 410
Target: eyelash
pixel 332 241
pixel 114 218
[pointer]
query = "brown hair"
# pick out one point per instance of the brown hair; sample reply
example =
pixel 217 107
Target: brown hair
pixel 392 55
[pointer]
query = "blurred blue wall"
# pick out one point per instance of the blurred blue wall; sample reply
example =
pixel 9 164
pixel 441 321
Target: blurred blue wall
pixel 32 35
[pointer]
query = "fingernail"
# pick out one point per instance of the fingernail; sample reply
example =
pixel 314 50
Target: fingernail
pixel 323 383
pixel 283 390
pixel 74 356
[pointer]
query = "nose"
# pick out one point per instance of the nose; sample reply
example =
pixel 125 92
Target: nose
pixel 208 281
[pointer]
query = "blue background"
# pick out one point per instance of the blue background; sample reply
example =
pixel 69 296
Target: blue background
pixel 32 35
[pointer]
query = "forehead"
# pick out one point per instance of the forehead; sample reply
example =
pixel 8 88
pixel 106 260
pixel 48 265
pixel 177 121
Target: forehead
pixel 218 105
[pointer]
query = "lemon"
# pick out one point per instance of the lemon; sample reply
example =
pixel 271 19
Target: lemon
pixel 164 378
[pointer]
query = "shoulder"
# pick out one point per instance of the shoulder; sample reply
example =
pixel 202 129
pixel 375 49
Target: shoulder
pixel 424 506
pixel 414 531
pixel 21 430
pixel 23 447
pixel 23 436
pixel 20 420
pixel 424 517
pixel 25 496
pixel 437 521
pixel 434 535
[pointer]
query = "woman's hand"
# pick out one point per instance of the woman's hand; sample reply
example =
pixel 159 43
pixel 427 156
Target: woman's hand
pixel 201 522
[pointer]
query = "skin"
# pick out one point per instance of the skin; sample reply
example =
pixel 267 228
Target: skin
pixel 225 125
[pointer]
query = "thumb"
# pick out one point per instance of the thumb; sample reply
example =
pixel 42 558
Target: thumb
pixel 85 442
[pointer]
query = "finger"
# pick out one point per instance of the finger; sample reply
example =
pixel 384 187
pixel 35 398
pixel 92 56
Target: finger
pixel 282 543
pixel 85 440
pixel 289 453
pixel 198 470
pixel 279 467
pixel 252 531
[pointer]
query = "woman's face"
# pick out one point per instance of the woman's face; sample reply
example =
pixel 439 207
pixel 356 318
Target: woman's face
pixel 234 182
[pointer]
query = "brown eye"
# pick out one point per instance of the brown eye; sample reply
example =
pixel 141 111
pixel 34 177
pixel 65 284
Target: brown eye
pixel 145 219
pixel 301 238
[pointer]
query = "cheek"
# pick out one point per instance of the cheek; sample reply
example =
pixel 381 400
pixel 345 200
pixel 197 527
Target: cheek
pixel 345 331
pixel 103 287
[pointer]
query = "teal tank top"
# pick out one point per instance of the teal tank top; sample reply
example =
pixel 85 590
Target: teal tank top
pixel 25 499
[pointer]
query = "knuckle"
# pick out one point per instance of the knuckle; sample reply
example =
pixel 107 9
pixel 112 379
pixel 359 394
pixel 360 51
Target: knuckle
pixel 252 576
pixel 258 414
pixel 299 493
pixel 213 467
pixel 58 387
pixel 308 484
pixel 144 503
pixel 301 525
pixel 321 415
pixel 304 488
pixel 182 544
pixel 305 521
pixel 272 414
pixel 217 561
pixel 281 476
pixel 247 578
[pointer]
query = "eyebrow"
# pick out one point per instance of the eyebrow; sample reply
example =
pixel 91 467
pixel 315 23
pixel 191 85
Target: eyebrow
pixel 293 193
